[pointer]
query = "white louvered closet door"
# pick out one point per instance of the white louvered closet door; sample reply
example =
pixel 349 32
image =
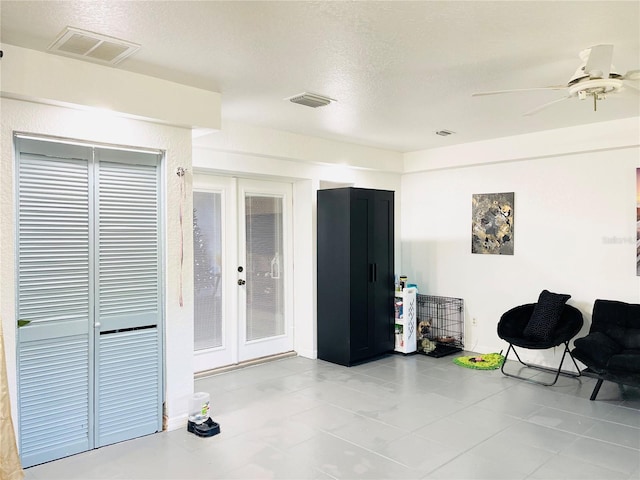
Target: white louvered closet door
pixel 89 361
pixel 127 305
pixel 54 351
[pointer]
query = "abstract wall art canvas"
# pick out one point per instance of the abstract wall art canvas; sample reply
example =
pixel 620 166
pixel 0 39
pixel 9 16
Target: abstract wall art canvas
pixel 492 223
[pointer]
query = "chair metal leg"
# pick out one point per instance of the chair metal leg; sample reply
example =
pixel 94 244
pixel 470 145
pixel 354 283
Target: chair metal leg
pixel 594 394
pixel 558 372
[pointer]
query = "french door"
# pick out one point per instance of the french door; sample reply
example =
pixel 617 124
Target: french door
pixel 89 297
pixel 242 270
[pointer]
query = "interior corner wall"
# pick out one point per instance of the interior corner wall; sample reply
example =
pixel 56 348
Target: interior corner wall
pixel 574 232
pixel 39 119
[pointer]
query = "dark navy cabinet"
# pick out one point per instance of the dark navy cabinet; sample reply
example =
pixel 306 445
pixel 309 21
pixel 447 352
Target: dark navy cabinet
pixel 355 274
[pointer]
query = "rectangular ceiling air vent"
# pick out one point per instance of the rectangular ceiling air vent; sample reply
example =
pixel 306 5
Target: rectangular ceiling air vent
pixel 444 133
pixel 310 100
pixel 86 45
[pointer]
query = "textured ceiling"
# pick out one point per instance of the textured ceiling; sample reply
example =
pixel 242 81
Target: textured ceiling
pixel 399 70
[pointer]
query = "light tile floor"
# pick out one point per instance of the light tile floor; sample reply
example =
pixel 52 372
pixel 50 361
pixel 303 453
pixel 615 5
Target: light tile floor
pixel 410 417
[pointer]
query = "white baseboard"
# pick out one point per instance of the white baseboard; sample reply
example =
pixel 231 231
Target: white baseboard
pixel 307 353
pixel 175 423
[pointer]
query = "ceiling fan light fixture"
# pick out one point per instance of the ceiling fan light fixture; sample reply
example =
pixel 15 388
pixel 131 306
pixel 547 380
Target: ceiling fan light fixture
pixel 597 86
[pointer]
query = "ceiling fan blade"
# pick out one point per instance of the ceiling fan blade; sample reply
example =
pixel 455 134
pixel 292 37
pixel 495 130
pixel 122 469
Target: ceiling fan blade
pixel 599 62
pixel 632 75
pixel 516 90
pixel 545 105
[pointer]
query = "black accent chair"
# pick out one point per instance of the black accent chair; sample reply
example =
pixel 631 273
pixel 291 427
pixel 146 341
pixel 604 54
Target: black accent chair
pixel 611 350
pixel 514 328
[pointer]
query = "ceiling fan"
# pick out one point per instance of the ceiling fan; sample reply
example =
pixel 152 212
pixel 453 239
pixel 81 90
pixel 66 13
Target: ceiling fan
pixel 594 78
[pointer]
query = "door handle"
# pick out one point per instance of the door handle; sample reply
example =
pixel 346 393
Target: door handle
pixel 275 267
pixel 241 282
pixel 373 272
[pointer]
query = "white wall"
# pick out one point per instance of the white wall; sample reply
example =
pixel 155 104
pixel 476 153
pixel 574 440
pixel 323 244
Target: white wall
pixel 250 151
pixel 105 128
pixel 574 231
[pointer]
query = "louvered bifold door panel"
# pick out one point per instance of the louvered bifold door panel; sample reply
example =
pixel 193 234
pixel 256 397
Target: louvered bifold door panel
pixel 54 398
pixel 128 370
pixel 128 296
pixel 53 252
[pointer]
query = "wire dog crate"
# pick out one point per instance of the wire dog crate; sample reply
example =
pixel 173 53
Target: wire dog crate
pixel 440 325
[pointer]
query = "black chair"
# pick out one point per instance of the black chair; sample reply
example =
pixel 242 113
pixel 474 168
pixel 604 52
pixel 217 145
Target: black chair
pixel 515 328
pixel 611 350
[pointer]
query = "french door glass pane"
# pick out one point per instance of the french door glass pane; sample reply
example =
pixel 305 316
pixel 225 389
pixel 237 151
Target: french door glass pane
pixel 207 246
pixel 265 272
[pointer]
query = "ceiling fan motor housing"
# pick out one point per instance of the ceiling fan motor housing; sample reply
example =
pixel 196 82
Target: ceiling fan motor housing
pixel 598 87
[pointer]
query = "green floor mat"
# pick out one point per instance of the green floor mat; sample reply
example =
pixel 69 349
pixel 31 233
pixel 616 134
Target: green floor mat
pixel 488 361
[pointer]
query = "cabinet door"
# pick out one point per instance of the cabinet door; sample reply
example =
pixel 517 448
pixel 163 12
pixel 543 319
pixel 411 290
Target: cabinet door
pixel 362 334
pixel 382 258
